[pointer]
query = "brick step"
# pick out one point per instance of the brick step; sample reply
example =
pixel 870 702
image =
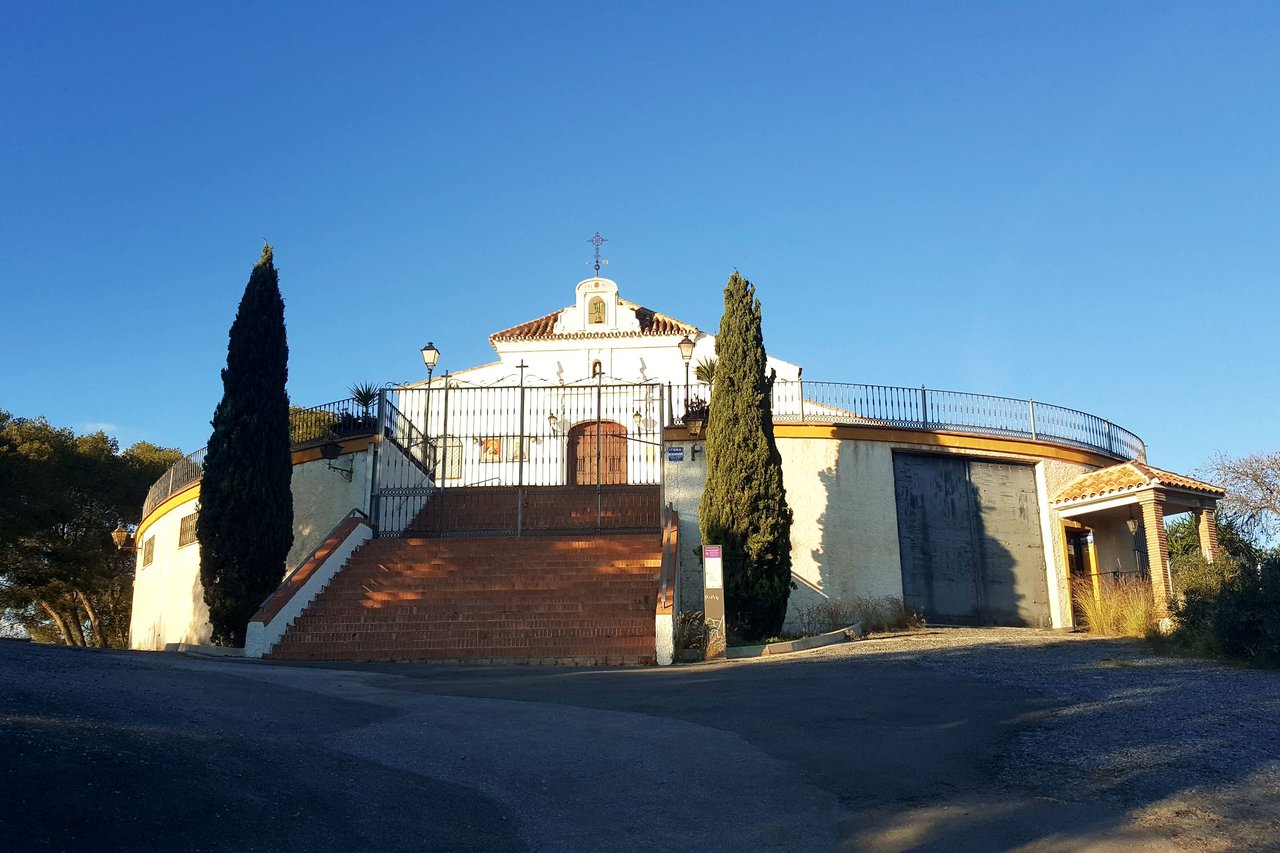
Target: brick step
pixel 575 560
pixel 426 604
pixel 535 582
pixel 532 586
pixel 566 640
pixel 550 644
pixel 492 591
pixel 462 622
pixel 579 598
pixel 513 567
pixel 611 544
pixel 453 658
pixel 468 645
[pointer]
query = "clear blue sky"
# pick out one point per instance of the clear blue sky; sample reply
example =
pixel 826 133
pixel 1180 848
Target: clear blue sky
pixel 1074 202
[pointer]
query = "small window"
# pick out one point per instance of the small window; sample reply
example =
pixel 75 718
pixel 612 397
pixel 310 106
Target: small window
pixel 148 551
pixel 187 530
pixel 597 369
pixel 452 458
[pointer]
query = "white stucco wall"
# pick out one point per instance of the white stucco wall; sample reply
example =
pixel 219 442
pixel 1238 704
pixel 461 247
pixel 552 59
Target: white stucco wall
pixel 168 598
pixel 322 498
pixel 844 535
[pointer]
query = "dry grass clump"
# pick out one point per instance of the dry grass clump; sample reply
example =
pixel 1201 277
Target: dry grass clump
pixel 691 631
pixel 876 615
pixel 1125 608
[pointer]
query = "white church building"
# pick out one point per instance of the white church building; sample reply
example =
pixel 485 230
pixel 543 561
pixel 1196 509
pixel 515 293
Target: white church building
pixel 578 440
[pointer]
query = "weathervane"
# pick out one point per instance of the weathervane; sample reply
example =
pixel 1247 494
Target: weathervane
pixel 597 241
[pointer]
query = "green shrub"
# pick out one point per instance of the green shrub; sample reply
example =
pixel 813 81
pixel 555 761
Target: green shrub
pixel 1228 610
pixel 307 425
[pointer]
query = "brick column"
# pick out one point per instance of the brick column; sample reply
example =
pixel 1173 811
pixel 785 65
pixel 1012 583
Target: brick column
pixel 1152 503
pixel 1207 529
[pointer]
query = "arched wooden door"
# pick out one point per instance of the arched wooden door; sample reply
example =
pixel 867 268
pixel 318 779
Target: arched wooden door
pixel 597 449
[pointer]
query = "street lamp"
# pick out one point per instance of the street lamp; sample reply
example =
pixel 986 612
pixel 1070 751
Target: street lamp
pixel 120 536
pixel 686 352
pixel 430 355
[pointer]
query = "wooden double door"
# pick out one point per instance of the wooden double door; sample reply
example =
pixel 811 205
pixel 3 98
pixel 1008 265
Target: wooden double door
pixel 597 452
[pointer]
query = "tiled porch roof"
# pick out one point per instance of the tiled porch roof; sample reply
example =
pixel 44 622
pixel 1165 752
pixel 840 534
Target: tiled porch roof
pixel 1128 477
pixel 651 323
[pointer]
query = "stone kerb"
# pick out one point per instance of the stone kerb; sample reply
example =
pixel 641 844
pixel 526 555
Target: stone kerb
pixel 300 588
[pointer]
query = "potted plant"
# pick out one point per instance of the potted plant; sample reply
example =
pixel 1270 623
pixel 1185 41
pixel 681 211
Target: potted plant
pixel 696 413
pixel 365 395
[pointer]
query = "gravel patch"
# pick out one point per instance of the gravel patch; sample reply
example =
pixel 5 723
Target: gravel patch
pixel 1189 746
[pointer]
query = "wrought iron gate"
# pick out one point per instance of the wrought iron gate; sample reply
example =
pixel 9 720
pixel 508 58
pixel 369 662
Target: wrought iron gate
pixel 517 459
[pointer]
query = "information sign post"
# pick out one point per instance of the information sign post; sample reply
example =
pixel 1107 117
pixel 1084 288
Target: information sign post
pixel 713 597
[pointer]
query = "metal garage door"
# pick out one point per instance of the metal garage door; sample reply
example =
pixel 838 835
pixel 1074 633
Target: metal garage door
pixel 969 533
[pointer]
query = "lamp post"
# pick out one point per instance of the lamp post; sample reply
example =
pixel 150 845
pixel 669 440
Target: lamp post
pixel 686 352
pixel 430 356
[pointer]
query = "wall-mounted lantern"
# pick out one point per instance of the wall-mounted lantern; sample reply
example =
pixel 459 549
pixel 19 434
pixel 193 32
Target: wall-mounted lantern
pixel 331 451
pixel 121 536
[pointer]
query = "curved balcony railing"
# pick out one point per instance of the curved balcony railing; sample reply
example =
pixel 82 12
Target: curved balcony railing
pixel 310 426
pixel 793 402
pixel 952 411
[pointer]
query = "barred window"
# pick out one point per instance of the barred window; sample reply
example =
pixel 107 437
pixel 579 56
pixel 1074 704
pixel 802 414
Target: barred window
pixel 187 530
pixel 452 458
pixel 148 551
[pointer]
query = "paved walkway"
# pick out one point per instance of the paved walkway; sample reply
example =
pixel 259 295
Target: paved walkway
pixel 951 740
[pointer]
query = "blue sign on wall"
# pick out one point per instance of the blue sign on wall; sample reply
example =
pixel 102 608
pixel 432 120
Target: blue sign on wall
pixel 675 454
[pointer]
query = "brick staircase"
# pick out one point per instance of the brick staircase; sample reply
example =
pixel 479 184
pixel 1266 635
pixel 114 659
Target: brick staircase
pixel 575 599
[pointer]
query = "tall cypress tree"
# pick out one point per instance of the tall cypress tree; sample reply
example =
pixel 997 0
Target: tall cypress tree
pixel 744 507
pixel 245 526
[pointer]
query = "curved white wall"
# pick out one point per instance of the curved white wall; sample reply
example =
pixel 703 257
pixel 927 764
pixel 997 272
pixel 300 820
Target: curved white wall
pixel 168 597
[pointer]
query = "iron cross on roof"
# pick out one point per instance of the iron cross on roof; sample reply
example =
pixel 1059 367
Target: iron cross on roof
pixel 598 241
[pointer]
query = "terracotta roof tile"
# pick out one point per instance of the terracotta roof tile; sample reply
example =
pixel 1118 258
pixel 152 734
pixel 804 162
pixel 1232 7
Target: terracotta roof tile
pixel 1127 477
pixel 539 328
pixel 651 323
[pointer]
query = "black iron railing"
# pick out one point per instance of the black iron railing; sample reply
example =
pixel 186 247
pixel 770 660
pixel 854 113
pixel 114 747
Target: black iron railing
pixel 307 427
pixel 930 409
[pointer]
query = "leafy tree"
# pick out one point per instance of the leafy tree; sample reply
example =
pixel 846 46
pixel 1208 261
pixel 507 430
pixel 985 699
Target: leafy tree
pixel 744 507
pixel 245 526
pixel 61 578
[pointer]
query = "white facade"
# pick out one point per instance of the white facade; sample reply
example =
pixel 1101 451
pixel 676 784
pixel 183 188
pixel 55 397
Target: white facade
pixel 601 332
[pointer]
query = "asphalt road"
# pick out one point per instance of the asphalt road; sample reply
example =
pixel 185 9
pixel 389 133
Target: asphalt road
pixel 132 751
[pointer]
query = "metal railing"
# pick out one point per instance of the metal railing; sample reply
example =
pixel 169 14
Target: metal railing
pixel 307 427
pixel 519 459
pixel 181 474
pixel 934 410
pixel 544 416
